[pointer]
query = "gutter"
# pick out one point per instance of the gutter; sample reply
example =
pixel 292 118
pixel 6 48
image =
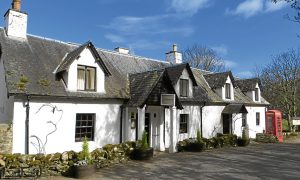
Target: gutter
pixel 121 124
pixel 27 125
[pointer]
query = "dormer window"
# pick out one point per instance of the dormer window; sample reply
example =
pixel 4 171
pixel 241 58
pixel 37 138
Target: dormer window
pixel 256 94
pixel 86 78
pixel 227 91
pixel 184 87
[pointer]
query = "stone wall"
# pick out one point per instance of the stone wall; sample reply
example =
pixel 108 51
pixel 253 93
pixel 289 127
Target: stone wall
pixel 5 138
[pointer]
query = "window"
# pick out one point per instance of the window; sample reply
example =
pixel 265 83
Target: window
pixel 227 91
pixel 85 124
pixel 244 120
pixel 183 126
pixel 257 119
pixel 256 94
pixel 86 78
pixel 184 87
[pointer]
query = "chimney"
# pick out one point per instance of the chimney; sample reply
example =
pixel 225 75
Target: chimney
pixel 122 50
pixel 16 21
pixel 174 56
pixel 16 5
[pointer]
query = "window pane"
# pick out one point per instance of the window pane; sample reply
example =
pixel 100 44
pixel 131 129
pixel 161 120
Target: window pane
pixel 184 87
pixel 183 123
pixel 256 94
pixel 80 79
pixel 84 127
pixel 227 91
pixel 90 78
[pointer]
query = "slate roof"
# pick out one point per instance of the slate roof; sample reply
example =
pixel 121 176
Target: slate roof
pixel 234 109
pixel 175 72
pixel 71 56
pixel 248 84
pixel 29 67
pixel 150 85
pixel 217 80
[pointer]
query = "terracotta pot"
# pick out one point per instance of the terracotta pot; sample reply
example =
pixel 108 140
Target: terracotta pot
pixel 82 172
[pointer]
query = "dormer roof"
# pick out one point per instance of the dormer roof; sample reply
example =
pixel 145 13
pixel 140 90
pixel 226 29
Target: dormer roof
pixel 218 80
pixel 73 55
pixel 247 85
pixel 175 72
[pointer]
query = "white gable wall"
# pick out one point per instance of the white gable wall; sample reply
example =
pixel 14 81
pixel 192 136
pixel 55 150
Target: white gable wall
pixel 221 91
pixel 6 104
pixel 86 58
pixel 251 94
pixel 184 75
pixel 107 125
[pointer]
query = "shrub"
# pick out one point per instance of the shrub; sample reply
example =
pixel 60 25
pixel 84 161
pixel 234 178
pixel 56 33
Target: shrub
pixel 266 138
pixel 244 140
pixel 144 143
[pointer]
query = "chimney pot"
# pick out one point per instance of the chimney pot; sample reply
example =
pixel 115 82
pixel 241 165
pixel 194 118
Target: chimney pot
pixel 174 47
pixel 16 5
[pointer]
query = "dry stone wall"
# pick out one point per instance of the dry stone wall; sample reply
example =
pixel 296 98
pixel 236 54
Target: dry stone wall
pixel 5 138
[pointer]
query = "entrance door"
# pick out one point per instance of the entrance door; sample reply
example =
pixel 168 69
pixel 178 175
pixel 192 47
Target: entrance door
pixel 226 123
pixel 148 126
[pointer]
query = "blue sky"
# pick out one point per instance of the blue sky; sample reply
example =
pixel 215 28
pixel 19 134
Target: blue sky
pixel 245 33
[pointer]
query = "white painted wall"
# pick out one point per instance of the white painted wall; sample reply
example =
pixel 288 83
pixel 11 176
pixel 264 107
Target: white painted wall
pixel 221 91
pixel 107 125
pixel 16 24
pixel 251 120
pixel 87 59
pixel 6 104
pixel 184 75
pixel 251 94
pixel 194 122
pixel 212 121
pixel 131 132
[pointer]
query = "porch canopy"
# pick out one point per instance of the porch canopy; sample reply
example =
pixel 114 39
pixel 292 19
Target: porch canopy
pixel 235 109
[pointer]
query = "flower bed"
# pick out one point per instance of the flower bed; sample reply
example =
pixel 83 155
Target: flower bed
pixel 266 138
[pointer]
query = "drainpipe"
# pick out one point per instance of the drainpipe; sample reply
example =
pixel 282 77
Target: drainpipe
pixel 121 124
pixel 27 126
pixel 201 121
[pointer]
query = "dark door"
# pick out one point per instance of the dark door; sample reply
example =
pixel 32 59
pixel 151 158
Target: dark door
pixel 147 126
pixel 226 123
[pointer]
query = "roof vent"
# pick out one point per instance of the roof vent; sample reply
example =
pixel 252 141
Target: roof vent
pixel 122 50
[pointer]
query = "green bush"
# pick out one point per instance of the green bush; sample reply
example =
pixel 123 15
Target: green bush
pixel 266 138
pixel 244 140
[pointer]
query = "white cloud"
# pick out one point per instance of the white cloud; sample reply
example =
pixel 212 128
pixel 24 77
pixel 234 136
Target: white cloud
pixel 221 50
pixel 230 64
pixel 249 8
pixel 245 74
pixel 114 38
pixel 130 25
pixel 190 7
pixel 270 7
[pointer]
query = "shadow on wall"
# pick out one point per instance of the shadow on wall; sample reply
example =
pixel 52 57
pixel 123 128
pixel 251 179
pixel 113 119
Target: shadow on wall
pixel 108 126
pixel 48 127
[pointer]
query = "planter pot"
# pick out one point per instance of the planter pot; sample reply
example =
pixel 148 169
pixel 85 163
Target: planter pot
pixel 82 172
pixel 142 154
pixel 195 147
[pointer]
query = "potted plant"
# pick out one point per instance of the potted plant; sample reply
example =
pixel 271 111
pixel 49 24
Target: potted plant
pixel 84 167
pixel 142 151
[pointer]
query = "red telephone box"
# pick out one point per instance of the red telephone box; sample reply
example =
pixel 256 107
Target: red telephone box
pixel 274 124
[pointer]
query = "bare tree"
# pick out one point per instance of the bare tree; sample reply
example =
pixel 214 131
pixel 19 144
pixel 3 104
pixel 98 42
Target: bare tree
pixel 203 58
pixel 281 79
pixel 295 5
